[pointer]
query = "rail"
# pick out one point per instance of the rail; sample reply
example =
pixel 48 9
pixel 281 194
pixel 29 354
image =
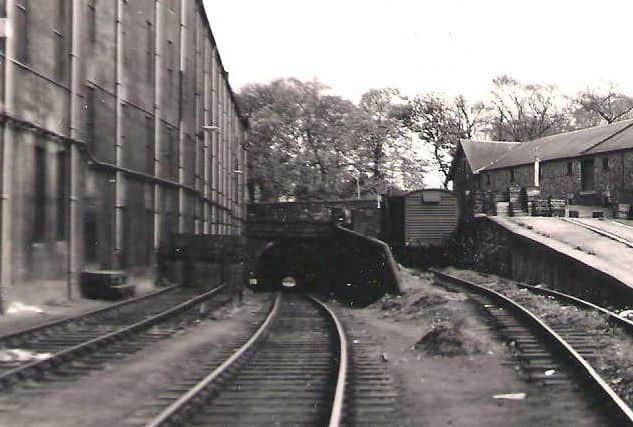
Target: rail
pixel 176 407
pixel 177 411
pixel 612 316
pixel 66 320
pixel 60 357
pixel 600 231
pixel 341 381
pixel 624 412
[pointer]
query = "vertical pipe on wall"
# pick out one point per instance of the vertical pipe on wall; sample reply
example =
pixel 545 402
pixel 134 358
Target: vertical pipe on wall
pixel 7 163
pixel 73 196
pixel 225 170
pixel 181 124
pixel 205 135
pixel 214 140
pixel 118 153
pixel 157 116
pixel 227 157
pixel 229 168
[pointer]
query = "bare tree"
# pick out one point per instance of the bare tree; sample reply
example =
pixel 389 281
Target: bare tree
pixel 520 112
pixel 595 106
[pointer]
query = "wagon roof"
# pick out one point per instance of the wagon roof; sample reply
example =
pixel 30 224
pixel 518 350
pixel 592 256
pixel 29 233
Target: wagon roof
pixel 599 139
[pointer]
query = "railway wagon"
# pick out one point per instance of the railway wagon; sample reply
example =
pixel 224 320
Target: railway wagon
pixel 419 222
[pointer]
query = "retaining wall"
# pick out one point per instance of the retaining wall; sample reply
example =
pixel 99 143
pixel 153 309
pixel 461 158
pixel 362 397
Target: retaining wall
pixel 487 246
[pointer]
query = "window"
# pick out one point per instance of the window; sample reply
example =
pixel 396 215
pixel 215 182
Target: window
pixel 149 143
pixel 91 118
pixel 61 15
pixel 62 58
pixel 487 179
pixel 605 163
pixel 61 195
pixel 39 205
pixel 21 31
pixel 60 44
pixel 149 30
pixel 512 179
pixel 92 22
pixel 570 169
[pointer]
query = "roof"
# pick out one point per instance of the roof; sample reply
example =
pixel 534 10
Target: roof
pixel 480 154
pixel 620 141
pixel 614 136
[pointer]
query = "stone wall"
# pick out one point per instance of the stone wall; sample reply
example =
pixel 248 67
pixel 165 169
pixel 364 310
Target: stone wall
pixel 556 181
pixel 488 247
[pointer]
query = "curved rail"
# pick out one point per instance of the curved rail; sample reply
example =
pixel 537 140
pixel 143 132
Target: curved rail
pixel 624 411
pixel 612 316
pixel 66 320
pixel 177 410
pixel 179 405
pixel 339 395
pixel 58 358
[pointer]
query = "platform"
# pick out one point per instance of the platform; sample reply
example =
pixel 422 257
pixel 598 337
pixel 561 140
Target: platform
pixel 606 246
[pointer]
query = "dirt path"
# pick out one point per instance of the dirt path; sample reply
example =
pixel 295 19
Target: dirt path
pixel 453 381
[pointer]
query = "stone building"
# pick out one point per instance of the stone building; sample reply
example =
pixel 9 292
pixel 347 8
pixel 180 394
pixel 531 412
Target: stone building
pixel 588 167
pixel 119 127
pixel 470 158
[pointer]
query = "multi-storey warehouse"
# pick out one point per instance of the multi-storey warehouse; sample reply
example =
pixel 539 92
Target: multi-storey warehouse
pixel 119 127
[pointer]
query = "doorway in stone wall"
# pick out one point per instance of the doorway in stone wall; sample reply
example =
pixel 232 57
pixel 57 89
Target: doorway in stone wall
pixel 587 174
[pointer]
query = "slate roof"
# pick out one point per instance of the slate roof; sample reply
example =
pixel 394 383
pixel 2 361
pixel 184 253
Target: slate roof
pixel 480 154
pixel 599 139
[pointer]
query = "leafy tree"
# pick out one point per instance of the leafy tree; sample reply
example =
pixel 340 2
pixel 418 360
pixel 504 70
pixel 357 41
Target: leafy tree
pixel 384 152
pixel 307 144
pixel 440 125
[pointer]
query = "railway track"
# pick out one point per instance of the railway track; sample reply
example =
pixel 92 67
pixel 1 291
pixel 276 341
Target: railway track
pixel 558 355
pixel 61 349
pixel 291 371
pixel 603 231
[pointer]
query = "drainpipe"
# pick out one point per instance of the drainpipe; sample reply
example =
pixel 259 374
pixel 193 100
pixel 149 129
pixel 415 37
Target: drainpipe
pixel 74 158
pixel 7 164
pixel 214 140
pixel 157 115
pixel 537 172
pixel 181 130
pixel 205 135
pixel 118 149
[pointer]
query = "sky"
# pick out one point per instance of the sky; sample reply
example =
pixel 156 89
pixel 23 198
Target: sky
pixel 445 46
pixel 448 47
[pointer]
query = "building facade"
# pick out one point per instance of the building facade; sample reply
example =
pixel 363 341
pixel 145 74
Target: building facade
pixel 119 127
pixel 592 167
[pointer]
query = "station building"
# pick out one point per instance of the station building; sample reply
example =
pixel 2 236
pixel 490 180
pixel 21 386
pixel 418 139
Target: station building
pixel 118 127
pixel 589 169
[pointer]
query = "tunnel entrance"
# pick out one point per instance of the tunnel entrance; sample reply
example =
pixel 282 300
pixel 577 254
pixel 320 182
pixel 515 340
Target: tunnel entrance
pixel 300 265
pixel 323 266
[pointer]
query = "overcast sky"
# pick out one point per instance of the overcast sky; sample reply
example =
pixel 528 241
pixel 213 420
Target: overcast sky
pixel 450 46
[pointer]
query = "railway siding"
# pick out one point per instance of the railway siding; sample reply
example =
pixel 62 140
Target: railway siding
pixel 86 342
pixel 603 339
